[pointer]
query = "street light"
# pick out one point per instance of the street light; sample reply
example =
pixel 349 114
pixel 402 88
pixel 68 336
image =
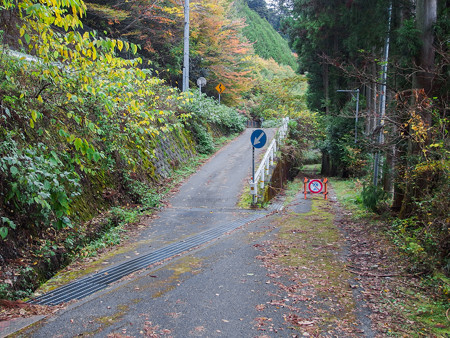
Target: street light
pixel 357 107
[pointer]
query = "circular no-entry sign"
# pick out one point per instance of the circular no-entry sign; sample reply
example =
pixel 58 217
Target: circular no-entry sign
pixel 315 186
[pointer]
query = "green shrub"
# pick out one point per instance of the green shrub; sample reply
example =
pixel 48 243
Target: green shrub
pixel 36 186
pixel 142 193
pixel 205 110
pixel 373 197
pixel 205 142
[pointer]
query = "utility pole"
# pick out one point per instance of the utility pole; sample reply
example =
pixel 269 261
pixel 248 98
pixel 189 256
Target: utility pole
pixel 357 107
pixel 186 47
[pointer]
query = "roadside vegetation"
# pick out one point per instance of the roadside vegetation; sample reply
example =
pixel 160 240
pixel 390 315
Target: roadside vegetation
pixel 93 128
pixel 80 133
pixel 399 147
pixel 343 261
pixel 395 156
pixel 411 301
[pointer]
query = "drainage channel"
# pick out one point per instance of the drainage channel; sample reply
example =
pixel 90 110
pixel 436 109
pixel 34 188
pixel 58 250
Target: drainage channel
pixel 91 284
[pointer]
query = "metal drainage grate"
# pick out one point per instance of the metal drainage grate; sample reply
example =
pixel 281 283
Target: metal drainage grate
pixel 91 284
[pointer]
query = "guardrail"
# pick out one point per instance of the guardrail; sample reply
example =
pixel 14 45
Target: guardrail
pixel 262 174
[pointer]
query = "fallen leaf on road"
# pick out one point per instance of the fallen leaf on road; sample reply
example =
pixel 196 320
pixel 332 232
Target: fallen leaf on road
pixel 260 307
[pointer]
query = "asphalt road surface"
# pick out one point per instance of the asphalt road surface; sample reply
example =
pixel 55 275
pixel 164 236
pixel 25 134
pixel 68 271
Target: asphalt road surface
pixel 215 290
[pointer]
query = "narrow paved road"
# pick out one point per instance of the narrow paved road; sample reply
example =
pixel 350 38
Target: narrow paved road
pixel 218 289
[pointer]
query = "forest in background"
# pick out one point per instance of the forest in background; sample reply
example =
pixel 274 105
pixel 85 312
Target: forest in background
pixel 390 60
pixel 228 41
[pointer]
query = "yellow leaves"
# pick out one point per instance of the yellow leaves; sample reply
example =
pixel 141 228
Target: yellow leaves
pixel 34 116
pixel 418 126
pixel 144 122
pixel 176 10
pixel 127 94
pixel 120 45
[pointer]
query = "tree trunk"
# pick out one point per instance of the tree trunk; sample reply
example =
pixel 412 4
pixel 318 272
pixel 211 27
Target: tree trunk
pixel 326 165
pixel 426 16
pixel 326 85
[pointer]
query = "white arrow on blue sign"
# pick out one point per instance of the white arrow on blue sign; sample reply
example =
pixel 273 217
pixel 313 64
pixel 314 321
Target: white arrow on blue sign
pixel 258 138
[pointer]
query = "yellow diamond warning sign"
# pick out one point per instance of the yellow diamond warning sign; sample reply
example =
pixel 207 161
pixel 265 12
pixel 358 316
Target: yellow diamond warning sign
pixel 220 88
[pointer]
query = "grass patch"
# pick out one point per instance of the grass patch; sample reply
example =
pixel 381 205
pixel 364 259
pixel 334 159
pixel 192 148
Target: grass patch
pixel 187 264
pixel 309 233
pixel 245 200
pixel 107 12
pixel 430 313
pixel 348 194
pixel 292 189
pixel 313 169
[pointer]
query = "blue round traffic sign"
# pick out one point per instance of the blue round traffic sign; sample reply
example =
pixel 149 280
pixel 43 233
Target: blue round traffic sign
pixel 258 138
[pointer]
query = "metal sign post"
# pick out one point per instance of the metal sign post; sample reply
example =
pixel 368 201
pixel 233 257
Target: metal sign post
pixel 258 140
pixel 220 88
pixel 201 82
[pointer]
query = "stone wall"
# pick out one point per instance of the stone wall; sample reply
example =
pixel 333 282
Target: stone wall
pixel 173 150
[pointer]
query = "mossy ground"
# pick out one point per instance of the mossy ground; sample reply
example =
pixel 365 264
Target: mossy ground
pixel 309 251
pixel 306 260
pixel 187 264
